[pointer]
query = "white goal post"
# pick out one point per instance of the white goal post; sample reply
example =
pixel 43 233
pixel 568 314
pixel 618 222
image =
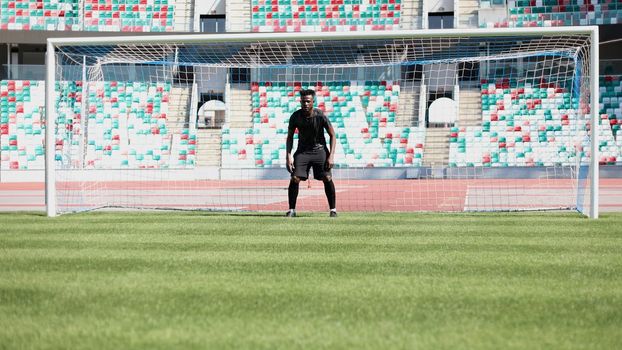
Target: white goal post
pixel 92 47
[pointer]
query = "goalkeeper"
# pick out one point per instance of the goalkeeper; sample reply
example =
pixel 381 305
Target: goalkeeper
pixel 312 151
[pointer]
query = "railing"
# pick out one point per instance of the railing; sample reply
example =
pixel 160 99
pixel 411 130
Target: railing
pixel 128 72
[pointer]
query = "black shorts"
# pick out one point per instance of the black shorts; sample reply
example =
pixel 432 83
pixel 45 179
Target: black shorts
pixel 316 159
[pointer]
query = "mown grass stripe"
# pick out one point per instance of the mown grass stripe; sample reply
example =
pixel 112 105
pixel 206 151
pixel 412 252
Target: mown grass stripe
pixel 201 280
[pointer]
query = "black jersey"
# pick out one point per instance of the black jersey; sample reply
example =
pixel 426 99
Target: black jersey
pixel 310 129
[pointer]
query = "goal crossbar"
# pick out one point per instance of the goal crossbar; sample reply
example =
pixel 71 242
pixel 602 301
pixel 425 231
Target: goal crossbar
pixel 272 37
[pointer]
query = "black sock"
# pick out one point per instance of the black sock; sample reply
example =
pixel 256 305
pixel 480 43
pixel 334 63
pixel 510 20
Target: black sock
pixel 329 189
pixel 292 193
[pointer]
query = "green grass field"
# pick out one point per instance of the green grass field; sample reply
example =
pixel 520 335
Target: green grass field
pixel 111 280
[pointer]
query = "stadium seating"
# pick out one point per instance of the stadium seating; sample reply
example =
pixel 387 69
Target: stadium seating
pixel 611 100
pixel 362 113
pixel 39 15
pixel 530 125
pixel 128 126
pixel 325 15
pixel 550 13
pixel 69 102
pixel 128 15
pixel 88 15
pixel 21 125
pixel 126 123
pixel 611 118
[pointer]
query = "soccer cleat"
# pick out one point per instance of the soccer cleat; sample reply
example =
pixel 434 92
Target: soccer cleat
pixel 290 214
pixel 333 214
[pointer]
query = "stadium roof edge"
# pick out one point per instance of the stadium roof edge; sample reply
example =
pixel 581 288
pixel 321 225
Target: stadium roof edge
pixel 236 37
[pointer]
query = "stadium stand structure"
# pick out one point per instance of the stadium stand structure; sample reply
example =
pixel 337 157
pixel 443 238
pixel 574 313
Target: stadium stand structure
pixel 134 124
pixel 369 134
pixel 363 114
pixel 550 13
pixel 129 15
pixel 90 15
pixel 611 119
pixel 40 15
pixel 325 15
pixel 611 100
pixel 526 125
pixel 21 125
pixel 128 124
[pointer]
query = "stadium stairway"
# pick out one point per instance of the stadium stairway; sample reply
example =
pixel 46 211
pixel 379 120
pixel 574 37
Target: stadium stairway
pixel 408 108
pixel 411 14
pixel 183 143
pixel 179 107
pixel 436 147
pixel 468 13
pixel 239 101
pixel 470 108
pixel 183 15
pixel 238 13
pixel 209 149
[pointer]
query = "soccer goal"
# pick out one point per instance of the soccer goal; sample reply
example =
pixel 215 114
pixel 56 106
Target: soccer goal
pixel 435 120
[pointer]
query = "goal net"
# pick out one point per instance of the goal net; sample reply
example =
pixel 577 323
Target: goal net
pixel 425 121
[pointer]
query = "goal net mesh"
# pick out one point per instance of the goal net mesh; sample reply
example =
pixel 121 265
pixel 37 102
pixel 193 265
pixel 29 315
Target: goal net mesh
pixel 434 123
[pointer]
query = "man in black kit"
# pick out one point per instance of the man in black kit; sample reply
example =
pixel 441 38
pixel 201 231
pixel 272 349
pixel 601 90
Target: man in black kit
pixel 311 152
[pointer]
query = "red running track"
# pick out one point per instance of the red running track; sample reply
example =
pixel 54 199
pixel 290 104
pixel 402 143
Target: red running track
pixel 352 195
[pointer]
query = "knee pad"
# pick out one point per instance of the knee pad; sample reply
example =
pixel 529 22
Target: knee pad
pixel 327 178
pixel 296 179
